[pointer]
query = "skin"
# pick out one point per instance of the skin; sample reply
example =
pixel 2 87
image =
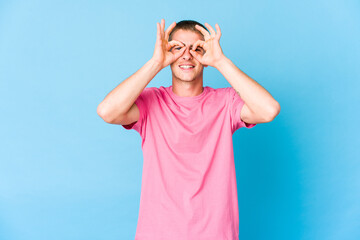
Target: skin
pixel 187 47
pixel 187 82
pixel 259 105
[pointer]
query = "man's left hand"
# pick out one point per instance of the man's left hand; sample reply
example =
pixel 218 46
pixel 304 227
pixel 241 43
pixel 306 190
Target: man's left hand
pixel 211 46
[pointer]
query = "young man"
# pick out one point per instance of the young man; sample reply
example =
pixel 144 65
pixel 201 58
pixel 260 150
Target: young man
pixel 188 184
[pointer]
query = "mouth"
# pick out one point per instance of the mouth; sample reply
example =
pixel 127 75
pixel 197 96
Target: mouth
pixel 186 67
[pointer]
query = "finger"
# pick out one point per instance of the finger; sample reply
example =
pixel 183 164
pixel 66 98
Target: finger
pixel 168 30
pixel 179 54
pixel 203 31
pixel 158 32
pixel 197 44
pixel 162 27
pixel 196 55
pixel 174 43
pixel 218 31
pixel 212 31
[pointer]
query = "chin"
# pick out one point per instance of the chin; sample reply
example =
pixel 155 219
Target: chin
pixel 185 79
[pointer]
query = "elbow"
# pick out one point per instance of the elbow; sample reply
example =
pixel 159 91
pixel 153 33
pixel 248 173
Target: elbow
pixel 102 113
pixel 273 111
pixel 109 116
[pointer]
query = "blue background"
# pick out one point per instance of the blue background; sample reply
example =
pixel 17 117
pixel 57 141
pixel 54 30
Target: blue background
pixel 66 174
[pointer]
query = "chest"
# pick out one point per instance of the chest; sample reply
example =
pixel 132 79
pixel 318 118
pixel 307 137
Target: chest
pixel 187 125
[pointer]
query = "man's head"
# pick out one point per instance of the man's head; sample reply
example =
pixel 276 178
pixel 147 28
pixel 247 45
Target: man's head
pixel 187 68
pixel 188 25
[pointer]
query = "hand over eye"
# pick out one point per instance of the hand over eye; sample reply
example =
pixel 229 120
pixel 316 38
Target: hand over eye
pixel 162 53
pixel 211 52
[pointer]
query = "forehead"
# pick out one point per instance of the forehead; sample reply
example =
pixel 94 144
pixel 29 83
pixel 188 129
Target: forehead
pixel 187 36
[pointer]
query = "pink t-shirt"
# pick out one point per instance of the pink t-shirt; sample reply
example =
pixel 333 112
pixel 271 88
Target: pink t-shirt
pixel 189 187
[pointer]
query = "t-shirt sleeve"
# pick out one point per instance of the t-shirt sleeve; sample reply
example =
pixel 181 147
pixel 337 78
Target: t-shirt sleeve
pixel 236 104
pixel 142 103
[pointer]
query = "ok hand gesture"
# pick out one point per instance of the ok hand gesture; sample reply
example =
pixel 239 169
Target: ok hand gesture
pixel 213 53
pixel 162 54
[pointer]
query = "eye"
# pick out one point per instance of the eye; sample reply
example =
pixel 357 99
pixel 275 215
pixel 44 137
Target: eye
pixel 177 48
pixel 199 49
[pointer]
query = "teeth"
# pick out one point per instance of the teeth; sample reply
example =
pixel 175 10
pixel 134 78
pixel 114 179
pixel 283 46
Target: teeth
pixel 186 66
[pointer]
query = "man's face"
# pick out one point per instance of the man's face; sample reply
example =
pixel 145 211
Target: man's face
pixel 187 68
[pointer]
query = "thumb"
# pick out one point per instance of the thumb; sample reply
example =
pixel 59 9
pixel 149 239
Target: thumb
pixel 178 54
pixel 196 55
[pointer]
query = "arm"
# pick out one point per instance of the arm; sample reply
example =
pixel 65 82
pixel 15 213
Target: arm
pixel 116 105
pixel 259 105
pixel 119 106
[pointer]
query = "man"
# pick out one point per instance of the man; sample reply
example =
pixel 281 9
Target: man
pixel 188 183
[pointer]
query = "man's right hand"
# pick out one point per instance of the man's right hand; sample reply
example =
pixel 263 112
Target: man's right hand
pixel 162 54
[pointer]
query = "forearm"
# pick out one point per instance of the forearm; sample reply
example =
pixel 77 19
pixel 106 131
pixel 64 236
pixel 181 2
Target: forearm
pixel 121 98
pixel 257 98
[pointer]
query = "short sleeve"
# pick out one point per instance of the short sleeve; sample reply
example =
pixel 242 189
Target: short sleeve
pixel 236 104
pixel 142 103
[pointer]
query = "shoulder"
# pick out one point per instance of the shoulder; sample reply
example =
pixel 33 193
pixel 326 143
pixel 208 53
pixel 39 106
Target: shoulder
pixel 161 92
pixel 231 92
pixel 153 95
pixel 148 92
pixel 221 92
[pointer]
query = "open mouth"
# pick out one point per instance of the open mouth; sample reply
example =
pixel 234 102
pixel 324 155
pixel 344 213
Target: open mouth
pixel 186 66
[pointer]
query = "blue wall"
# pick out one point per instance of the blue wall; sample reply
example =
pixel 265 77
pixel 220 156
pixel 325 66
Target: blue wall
pixel 66 174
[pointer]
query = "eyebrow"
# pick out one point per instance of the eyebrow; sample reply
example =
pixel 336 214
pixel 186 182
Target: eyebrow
pixel 190 45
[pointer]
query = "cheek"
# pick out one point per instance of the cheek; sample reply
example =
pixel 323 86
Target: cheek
pixel 173 67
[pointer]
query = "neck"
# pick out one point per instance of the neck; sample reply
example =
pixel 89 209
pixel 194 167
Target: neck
pixel 187 89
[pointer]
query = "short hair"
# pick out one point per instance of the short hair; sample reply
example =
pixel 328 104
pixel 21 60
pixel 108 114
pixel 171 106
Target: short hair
pixel 188 25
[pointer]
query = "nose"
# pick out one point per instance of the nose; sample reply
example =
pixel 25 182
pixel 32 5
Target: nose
pixel 187 55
